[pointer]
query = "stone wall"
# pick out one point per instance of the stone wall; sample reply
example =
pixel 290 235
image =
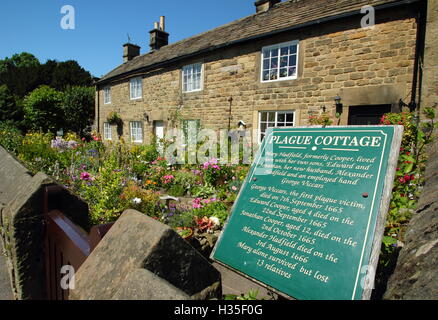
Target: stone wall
pixel 430 66
pixel 415 276
pixel 22 227
pixel 143 259
pixel 363 66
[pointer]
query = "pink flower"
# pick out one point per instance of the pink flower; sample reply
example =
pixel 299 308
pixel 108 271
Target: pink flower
pixel 85 176
pixel 234 188
pixel 196 203
pixel 167 179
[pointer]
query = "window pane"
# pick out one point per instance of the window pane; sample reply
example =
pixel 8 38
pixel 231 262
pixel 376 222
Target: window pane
pixel 273 74
pixel 293 49
pixel 283 73
pixel 284 51
pixel 290 117
pixel 264 116
pixel 266 53
pixel 292 60
pixel 263 127
pixel 281 117
pixel 274 63
pixel 265 75
pixel 283 62
pixel 274 53
pixel 265 64
pixel 292 71
pixel 271 117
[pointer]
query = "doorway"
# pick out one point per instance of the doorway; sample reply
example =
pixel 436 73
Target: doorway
pixel 159 135
pixel 367 115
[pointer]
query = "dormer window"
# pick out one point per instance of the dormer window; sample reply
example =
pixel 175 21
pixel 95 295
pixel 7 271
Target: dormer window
pixel 280 62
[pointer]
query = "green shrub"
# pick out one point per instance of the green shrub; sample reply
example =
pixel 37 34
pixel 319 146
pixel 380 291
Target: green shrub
pixel 10 137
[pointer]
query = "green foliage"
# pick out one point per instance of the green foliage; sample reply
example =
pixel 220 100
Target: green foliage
pixel 185 219
pixel 322 120
pixel 183 182
pixel 102 192
pixel 9 110
pixel 202 191
pixel 10 137
pixel 114 118
pixel 37 153
pixel 23 74
pixel 251 295
pixel 213 209
pixel 143 200
pixel 78 109
pixel 69 73
pixel 20 73
pixel 42 109
pixel 409 178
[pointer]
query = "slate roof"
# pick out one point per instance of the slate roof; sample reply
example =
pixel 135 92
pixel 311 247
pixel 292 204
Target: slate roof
pixel 284 15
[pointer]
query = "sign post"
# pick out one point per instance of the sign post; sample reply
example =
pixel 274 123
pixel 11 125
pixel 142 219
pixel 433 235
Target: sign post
pixel 309 219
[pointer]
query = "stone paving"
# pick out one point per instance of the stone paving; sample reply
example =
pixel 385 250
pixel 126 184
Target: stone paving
pixel 5 282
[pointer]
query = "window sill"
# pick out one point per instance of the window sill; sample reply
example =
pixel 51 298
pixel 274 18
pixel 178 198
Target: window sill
pixel 279 83
pixel 193 91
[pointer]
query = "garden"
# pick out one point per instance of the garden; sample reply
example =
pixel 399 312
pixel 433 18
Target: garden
pixel 115 176
pixel 195 200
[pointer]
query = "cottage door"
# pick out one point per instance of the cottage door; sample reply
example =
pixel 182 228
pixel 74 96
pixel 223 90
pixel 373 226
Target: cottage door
pixel 159 134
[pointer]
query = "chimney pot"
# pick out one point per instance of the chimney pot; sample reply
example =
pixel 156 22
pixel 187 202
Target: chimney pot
pixel 158 37
pixel 162 23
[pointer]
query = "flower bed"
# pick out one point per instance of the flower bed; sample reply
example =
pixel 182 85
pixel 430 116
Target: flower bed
pixel 114 177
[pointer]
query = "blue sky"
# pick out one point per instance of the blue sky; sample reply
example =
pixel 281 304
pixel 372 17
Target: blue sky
pixel 101 27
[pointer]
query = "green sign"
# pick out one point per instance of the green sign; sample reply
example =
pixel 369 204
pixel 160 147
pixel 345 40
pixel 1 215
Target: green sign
pixel 307 217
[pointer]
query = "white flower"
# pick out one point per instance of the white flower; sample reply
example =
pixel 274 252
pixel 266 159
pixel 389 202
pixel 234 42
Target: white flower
pixel 136 200
pixel 215 221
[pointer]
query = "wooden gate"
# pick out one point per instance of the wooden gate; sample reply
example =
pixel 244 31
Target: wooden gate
pixel 65 245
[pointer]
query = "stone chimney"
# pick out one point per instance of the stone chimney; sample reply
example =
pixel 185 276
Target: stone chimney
pixel 265 5
pixel 159 37
pixel 130 51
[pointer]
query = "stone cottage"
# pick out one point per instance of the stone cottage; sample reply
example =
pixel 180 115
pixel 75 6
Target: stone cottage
pixel 289 60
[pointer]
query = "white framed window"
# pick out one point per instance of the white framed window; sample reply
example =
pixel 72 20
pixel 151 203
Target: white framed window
pixel 107 135
pixel 135 88
pixel 136 129
pixel 272 119
pixel 280 62
pixel 192 77
pixel 107 95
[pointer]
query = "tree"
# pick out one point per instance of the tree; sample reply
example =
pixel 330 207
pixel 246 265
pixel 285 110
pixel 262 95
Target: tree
pixel 70 73
pixel 20 73
pixel 78 108
pixel 9 109
pixel 43 109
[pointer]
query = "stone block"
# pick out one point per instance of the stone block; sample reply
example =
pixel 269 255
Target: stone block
pixel 414 277
pixel 135 244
